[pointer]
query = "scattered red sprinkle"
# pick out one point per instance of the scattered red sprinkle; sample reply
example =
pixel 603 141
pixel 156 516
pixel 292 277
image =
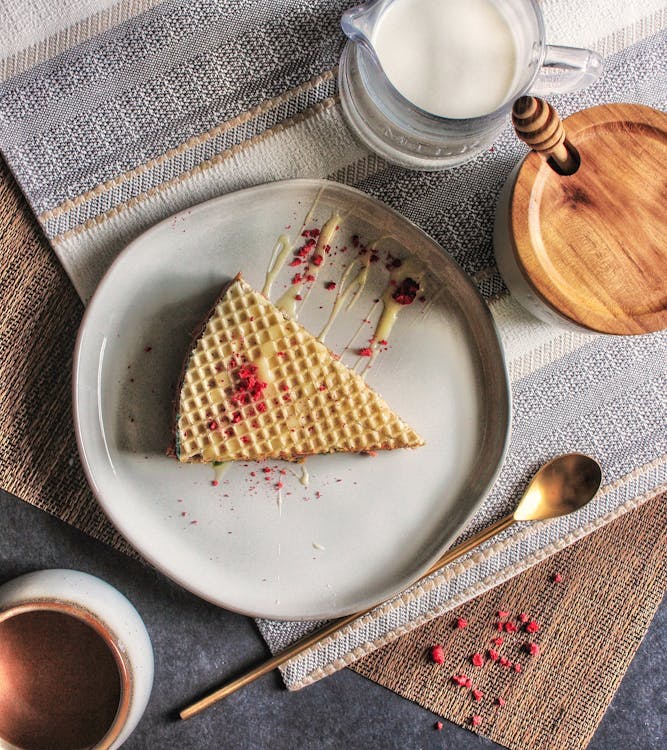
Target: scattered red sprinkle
pixel 505 662
pixel 523 617
pixel 518 667
pixel 477 694
pixel 296 262
pixel 261 407
pixel 461 622
pixel 476 721
pixel 532 627
pixel 503 613
pixel 437 654
pixel 245 439
pixel 310 278
pixel 477 660
pixel 499 626
pixel 297 278
pixel 557 578
pixel 298 297
pixel 493 654
pixel 330 285
pixel 279 485
pixel 366 352
pixel 213 425
pixel 497 641
pixel 267 469
pixel 214 482
pixel 236 417
pixel 383 342
pixel 500 701
pixel 532 648
pixel 317 260
pixel 510 627
pixel 461 680
pixel 438 725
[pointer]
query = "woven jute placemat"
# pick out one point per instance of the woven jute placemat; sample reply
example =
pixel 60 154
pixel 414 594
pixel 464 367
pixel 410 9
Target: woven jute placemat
pixel 40 316
pixel 590 625
pixel 39 463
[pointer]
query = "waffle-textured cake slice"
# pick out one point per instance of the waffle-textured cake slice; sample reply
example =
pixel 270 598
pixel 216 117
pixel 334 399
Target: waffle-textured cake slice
pixel 257 385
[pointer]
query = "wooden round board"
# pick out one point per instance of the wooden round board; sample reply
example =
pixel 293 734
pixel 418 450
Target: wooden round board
pixel 592 245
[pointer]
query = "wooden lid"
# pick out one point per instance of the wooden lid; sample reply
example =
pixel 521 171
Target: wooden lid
pixel 593 244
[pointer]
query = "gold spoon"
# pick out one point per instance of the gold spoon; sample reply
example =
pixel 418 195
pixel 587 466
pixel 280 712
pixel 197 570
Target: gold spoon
pixel 561 486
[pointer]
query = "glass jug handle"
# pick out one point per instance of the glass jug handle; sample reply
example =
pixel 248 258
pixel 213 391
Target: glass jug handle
pixel 566 69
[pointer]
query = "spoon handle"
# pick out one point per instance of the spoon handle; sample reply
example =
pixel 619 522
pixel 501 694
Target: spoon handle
pixel 335 625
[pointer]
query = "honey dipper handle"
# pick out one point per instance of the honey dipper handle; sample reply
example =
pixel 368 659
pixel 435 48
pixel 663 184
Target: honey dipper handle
pixel 538 124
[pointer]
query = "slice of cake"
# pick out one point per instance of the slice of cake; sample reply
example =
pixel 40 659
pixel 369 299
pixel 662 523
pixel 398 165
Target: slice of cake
pixel 257 385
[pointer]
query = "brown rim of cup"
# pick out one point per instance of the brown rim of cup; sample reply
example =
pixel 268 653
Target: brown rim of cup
pixel 94 622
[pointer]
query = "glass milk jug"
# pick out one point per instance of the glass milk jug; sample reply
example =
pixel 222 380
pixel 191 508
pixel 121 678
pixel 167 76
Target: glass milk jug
pixel 428 84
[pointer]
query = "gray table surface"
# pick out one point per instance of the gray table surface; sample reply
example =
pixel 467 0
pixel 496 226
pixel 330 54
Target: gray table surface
pixel 197 645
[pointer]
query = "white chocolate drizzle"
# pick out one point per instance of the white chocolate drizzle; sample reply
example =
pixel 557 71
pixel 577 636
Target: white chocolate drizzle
pixel 287 303
pixel 281 252
pixel 283 247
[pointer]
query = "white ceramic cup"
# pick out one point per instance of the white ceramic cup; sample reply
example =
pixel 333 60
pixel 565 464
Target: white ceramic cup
pixel 111 616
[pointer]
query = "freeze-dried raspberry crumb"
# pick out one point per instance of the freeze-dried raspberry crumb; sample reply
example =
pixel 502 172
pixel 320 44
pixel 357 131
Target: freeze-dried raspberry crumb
pixel 500 625
pixel 438 725
pixel 297 278
pixel 557 578
pixel 267 469
pixel 510 627
pixel 279 485
pixel 461 622
pixel 461 680
pixel 493 654
pixel 296 262
pixel 437 654
pixel 477 694
pixel 532 627
pixel 310 278
pixel 317 260
pixel 498 641
pixel 500 701
pixel 476 721
pixel 505 662
pixel 518 667
pixel 532 648
pixel 523 617
pixel 298 297
pixel 330 285
pixel 214 482
pixel 406 292
pixel 213 425
pixel 503 613
pixel 365 352
pixel 477 660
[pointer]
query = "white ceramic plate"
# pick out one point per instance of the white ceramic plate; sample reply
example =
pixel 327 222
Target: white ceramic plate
pixel 364 527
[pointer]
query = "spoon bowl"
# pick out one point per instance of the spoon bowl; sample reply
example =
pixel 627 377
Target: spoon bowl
pixel 561 486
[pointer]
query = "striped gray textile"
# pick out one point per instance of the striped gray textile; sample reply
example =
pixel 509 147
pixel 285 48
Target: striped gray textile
pixel 121 113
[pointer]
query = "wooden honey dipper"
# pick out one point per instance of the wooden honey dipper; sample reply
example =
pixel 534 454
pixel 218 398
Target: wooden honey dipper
pixel 538 124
